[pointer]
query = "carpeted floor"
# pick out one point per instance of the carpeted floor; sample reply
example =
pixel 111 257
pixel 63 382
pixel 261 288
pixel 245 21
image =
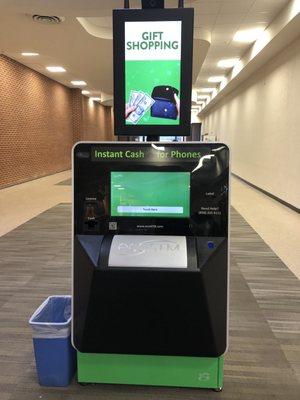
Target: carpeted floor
pixel 264 353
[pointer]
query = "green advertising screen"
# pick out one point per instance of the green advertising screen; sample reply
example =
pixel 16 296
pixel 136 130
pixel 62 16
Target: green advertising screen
pixel 152 72
pixel 150 194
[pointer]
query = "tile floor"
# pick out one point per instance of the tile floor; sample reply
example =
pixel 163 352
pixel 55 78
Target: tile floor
pixel 278 225
pixel 20 203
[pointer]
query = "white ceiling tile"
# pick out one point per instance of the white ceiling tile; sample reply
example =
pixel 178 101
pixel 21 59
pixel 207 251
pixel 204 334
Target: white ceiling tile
pixel 236 6
pixel 254 25
pixel 226 28
pixel 239 46
pixel 206 7
pixel 221 38
pixel 230 18
pixel 206 20
pixel 269 5
pixel 218 51
pixel 168 3
pixel 233 15
pixel 265 16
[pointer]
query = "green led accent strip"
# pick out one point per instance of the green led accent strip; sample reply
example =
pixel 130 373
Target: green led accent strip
pixel 198 372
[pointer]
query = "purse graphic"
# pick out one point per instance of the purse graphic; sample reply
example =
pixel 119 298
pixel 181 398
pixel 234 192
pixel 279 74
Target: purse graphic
pixel 165 105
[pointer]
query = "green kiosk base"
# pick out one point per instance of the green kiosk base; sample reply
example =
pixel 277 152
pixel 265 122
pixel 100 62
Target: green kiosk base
pixel 193 372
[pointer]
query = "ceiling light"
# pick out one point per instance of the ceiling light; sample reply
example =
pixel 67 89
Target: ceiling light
pixel 56 69
pixel 28 54
pixel 215 79
pixel 248 36
pixel 206 90
pixel 194 95
pixel 95 98
pixel 227 62
pixel 85 92
pixel 78 83
pixel 203 97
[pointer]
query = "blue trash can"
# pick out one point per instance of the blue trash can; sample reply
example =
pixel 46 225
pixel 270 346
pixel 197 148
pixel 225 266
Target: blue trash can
pixel 54 354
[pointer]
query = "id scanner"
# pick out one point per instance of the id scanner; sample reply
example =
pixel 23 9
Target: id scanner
pixel 150 262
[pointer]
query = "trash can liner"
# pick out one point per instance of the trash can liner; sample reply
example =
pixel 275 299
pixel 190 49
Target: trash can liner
pixel 54 354
pixel 52 319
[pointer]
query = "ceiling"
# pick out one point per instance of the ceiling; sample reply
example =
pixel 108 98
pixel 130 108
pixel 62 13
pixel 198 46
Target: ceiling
pixel 84 46
pixel 223 19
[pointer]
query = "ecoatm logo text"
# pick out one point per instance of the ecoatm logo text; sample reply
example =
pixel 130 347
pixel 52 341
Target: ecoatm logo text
pixel 153 40
pixel 136 249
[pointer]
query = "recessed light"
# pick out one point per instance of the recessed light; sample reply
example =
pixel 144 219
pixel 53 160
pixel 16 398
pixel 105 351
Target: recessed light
pixel 29 54
pixel 56 69
pixel 194 95
pixel 215 79
pixel 85 92
pixel 78 83
pixel 206 90
pixel 95 98
pixel 227 62
pixel 247 36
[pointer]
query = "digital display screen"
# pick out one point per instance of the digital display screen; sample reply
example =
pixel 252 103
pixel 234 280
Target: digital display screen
pixel 153 57
pixel 152 72
pixel 150 194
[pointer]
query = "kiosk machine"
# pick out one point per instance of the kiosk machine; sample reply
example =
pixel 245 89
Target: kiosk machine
pixel 150 262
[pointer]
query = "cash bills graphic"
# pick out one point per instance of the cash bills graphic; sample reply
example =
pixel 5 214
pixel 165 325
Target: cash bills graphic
pixel 142 101
pixel 135 97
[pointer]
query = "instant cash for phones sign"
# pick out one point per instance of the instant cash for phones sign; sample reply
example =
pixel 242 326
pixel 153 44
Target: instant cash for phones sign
pixel 152 62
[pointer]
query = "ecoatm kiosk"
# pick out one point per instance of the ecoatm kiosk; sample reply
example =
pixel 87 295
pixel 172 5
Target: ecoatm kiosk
pixel 150 263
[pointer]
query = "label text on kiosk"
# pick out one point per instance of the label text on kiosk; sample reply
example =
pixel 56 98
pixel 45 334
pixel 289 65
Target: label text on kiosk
pixel 140 155
pixel 119 154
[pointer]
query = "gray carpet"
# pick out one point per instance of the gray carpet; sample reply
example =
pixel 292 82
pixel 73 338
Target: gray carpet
pixel 263 357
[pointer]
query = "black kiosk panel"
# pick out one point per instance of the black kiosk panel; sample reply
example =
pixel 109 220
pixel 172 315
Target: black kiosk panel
pixel 150 248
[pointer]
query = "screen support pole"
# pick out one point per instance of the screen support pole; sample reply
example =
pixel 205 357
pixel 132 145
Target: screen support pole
pixel 152 138
pixel 153 4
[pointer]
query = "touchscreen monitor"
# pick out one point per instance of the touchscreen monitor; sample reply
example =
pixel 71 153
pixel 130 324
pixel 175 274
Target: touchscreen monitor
pixel 150 194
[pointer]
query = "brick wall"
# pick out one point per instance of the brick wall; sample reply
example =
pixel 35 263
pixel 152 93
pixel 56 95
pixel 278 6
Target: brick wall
pixel 96 121
pixel 77 118
pixel 40 120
